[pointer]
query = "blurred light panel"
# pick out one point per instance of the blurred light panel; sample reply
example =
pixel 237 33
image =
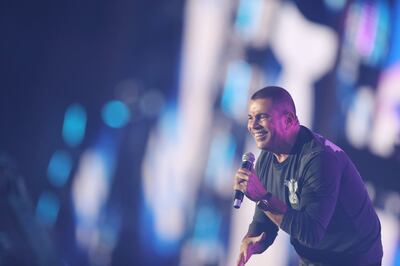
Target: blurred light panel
pixel 59 168
pixel 207 225
pixel 206 244
pixel 394 52
pixel 235 94
pixel 74 125
pixel 90 186
pixel 115 114
pixel 335 5
pixel 206 27
pixel 385 130
pixel 359 117
pixel 219 172
pixel 47 208
pixel 248 17
pixel 306 62
pixel 396 259
pixel 368 29
pixel 160 243
pixel 164 187
pixel 383 28
pixel 95 230
pixel 390 237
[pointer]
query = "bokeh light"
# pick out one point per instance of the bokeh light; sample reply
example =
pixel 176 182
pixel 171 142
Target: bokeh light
pixel 59 168
pixel 115 114
pixel 74 125
pixel 47 208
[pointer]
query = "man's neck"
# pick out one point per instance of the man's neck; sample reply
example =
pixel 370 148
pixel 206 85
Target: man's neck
pixel 287 147
pixel 281 157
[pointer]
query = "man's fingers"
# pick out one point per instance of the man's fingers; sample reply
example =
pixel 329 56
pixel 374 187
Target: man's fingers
pixel 240 182
pixel 241 176
pixel 240 261
pixel 245 259
pixel 261 237
pixel 244 171
pixel 241 186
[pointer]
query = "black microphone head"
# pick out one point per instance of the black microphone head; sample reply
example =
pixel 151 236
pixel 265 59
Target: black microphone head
pixel 248 160
pixel 248 157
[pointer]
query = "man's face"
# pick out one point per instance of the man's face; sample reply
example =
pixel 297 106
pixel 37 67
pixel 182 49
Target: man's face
pixel 265 124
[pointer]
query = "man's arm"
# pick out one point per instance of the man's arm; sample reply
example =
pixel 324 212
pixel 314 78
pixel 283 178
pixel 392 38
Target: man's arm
pixel 250 245
pixel 248 182
pixel 261 234
pixel 260 224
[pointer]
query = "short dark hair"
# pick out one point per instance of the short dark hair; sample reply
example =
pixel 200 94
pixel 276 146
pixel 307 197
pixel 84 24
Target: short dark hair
pixel 277 94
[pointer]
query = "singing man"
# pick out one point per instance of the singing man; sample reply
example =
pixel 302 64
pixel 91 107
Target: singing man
pixel 306 186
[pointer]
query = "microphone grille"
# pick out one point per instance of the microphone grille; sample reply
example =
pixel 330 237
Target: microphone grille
pixel 249 157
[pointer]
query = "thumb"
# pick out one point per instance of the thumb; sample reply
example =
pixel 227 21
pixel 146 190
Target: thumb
pixel 261 237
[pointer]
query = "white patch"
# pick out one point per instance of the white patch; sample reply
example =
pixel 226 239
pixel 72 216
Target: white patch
pixel 333 146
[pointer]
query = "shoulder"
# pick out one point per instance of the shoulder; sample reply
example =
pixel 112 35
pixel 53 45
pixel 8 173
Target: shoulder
pixel 320 153
pixel 315 145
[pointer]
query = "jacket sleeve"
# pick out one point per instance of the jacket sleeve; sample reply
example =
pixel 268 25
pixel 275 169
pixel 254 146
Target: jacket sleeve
pixel 261 223
pixel 318 199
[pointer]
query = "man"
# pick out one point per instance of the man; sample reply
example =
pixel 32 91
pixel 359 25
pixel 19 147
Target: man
pixel 306 186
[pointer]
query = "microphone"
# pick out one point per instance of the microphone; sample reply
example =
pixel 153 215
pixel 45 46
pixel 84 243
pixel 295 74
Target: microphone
pixel 247 163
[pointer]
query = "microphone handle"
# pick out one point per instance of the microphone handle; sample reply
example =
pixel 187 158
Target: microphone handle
pixel 239 194
pixel 238 199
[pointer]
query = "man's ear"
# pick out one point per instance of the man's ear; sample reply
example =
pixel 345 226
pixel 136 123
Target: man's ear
pixel 290 119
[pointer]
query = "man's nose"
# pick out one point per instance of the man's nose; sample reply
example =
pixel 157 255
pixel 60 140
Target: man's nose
pixel 254 123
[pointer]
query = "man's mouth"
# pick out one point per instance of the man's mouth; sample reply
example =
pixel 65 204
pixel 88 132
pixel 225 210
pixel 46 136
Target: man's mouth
pixel 259 134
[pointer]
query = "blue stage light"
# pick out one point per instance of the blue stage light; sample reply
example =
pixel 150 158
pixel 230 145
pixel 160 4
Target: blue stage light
pixel 47 208
pixel 235 94
pixel 59 168
pixel 248 17
pixel 115 114
pixel 74 125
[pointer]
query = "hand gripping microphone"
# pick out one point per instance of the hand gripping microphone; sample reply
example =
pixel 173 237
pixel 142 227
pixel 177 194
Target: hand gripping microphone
pixel 247 163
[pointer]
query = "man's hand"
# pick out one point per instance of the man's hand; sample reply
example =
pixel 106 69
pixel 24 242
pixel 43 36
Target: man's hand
pixel 250 245
pixel 248 182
